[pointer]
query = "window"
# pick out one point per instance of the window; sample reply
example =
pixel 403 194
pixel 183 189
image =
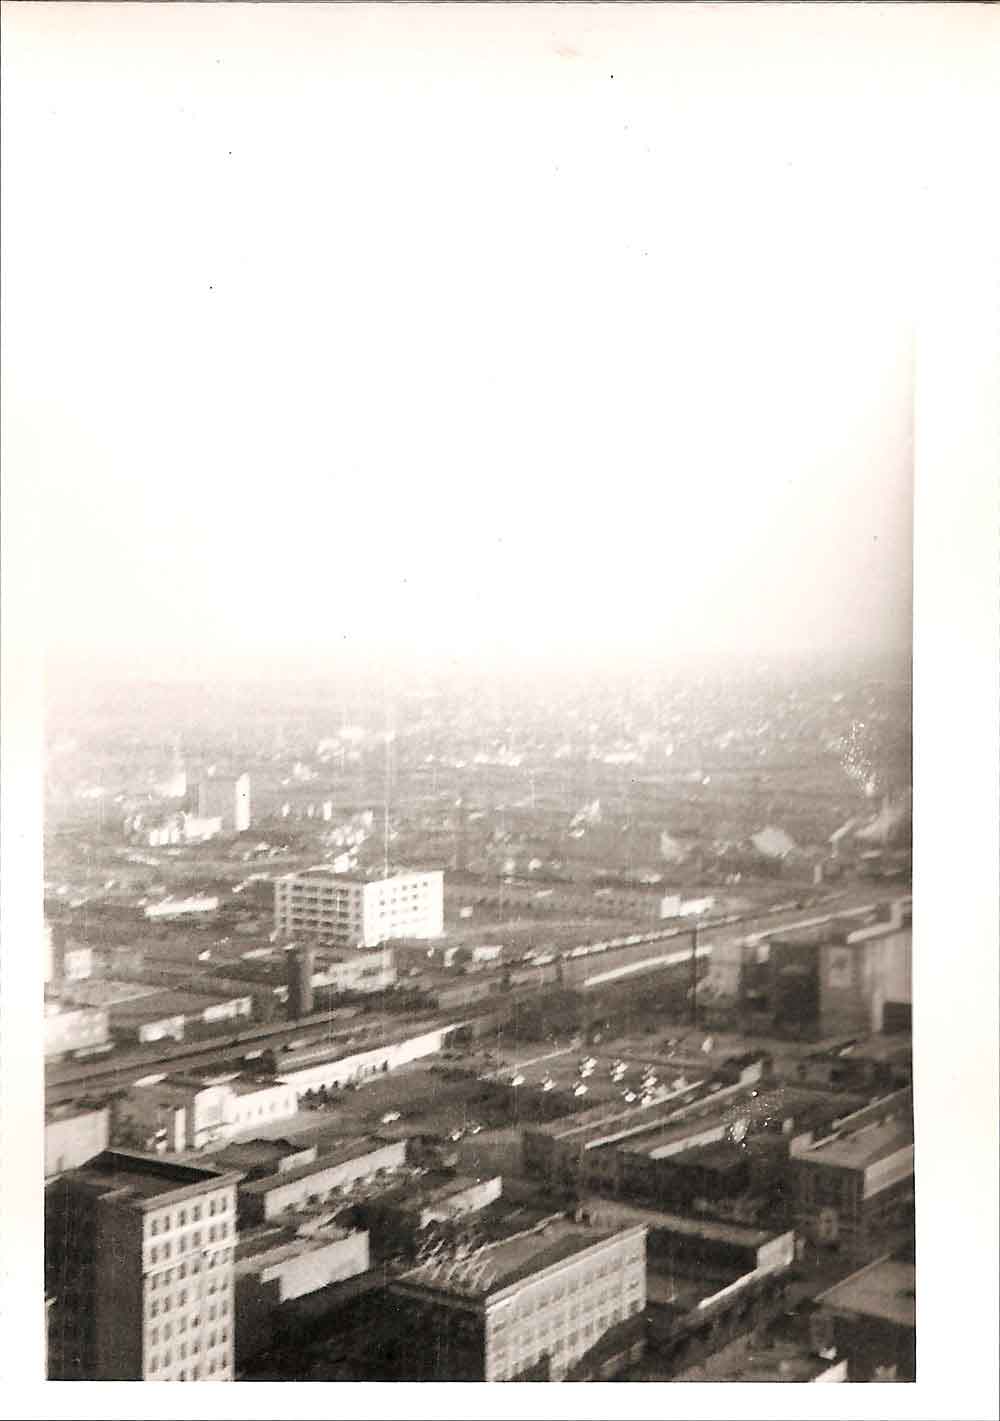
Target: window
pixel 154 1363
pixel 182 1217
pixel 154 1227
pixel 154 1254
pixel 196 1213
pixel 154 1337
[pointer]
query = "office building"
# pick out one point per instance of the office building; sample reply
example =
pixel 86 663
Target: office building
pixel 355 911
pixel 139 1264
pixel 532 1305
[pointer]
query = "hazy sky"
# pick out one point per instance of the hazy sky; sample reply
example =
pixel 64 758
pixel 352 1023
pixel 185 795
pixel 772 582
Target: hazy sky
pixel 421 328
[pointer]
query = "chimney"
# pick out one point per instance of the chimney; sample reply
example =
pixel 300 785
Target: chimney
pixel 300 965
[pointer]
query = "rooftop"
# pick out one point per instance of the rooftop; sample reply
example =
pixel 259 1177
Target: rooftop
pixel 511 1260
pixel 267 1246
pixel 885 1290
pixel 619 1213
pixel 351 1149
pixel 323 870
pixel 863 1147
pixel 431 1189
pixel 252 1153
pixel 742 1106
pixel 780 1359
pixel 614 1116
pixel 147 1178
pixel 169 1003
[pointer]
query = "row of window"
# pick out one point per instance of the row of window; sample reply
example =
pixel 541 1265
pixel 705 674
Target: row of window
pixel 162 1251
pixel 527 1349
pixel 574 1283
pixel 161 1306
pixel 212 1260
pixel 167 1330
pixel 212 1364
pixel 163 1223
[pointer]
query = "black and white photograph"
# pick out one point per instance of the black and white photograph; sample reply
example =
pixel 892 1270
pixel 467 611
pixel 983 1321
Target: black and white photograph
pixel 465 468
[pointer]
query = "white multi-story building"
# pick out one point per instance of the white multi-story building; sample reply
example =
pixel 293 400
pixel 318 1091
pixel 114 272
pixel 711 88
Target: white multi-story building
pixel 355 911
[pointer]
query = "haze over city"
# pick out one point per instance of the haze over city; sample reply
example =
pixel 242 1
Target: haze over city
pixel 618 370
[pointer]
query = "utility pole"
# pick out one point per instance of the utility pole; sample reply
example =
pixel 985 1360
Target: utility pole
pixel 694 975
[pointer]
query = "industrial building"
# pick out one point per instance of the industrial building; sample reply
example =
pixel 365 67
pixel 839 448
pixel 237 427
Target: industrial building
pixel 873 1317
pixel 74 1134
pixel 858 1182
pixel 310 968
pixel 72 1030
pixel 188 1112
pixel 196 905
pixel 353 910
pixel 159 1015
pixel 534 1305
pixel 276 1264
pixel 353 1056
pixel 139 1264
pixel 398 1215
pixel 708 1141
pixel 713 1246
pixel 322 1179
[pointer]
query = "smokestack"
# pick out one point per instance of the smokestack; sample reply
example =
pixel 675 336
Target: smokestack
pixel 300 964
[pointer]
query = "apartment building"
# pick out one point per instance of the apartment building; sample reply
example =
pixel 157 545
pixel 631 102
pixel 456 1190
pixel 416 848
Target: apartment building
pixel 139 1264
pixel 352 910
